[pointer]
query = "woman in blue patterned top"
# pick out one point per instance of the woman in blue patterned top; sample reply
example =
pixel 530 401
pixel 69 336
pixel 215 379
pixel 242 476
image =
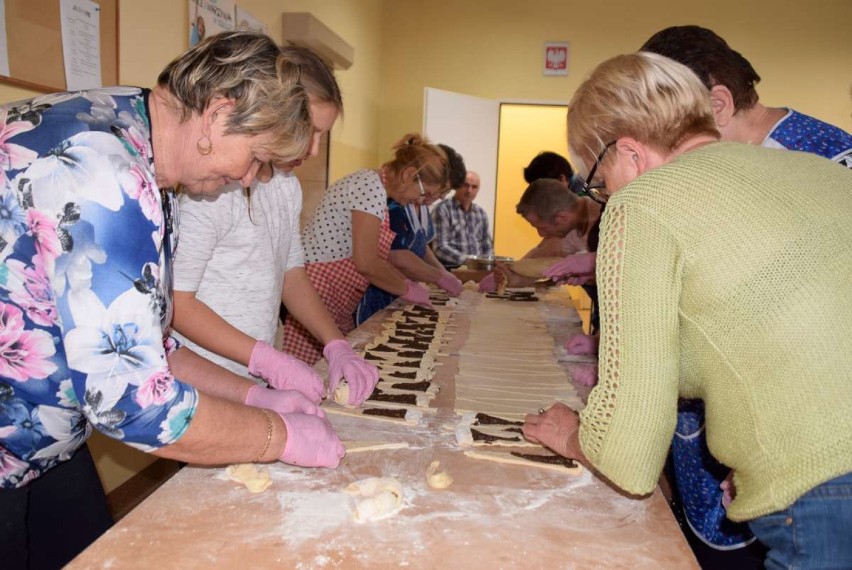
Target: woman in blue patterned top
pixel 87 233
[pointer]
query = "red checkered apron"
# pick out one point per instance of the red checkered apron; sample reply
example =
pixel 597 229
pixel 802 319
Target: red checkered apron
pixel 340 287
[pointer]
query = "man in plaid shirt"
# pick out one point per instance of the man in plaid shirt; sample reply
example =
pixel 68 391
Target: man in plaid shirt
pixel 461 227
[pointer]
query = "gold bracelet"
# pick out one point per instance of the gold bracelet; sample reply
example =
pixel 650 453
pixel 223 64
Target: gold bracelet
pixel 268 436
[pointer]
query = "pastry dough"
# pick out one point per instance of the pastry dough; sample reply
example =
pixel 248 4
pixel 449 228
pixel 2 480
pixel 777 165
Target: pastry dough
pixel 533 266
pixel 255 479
pixel 377 498
pixel 359 446
pixel 437 478
pixel 341 394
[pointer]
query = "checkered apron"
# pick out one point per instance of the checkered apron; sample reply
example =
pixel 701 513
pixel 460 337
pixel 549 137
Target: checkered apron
pixel 340 287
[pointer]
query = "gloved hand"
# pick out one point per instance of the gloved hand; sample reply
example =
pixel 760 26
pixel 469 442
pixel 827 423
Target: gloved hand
pixel 585 375
pixel 582 344
pixel 417 294
pixel 311 442
pixel 729 490
pixel 450 283
pixel 285 372
pixel 344 363
pixel 573 268
pixel 488 284
pixel 281 401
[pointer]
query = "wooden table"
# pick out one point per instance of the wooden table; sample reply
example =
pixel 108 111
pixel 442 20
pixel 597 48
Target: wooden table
pixel 493 515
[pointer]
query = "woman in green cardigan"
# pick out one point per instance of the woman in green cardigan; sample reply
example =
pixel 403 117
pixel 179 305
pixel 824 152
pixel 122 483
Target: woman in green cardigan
pixel 724 271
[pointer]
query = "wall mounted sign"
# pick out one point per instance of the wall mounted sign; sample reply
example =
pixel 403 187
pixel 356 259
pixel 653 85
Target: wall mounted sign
pixel 556 58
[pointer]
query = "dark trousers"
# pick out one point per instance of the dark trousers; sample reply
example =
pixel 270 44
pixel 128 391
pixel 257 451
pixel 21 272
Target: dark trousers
pixel 48 522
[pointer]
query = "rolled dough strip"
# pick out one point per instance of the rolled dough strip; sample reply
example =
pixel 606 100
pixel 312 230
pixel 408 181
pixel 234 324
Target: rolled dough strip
pixel 359 446
pixel 533 266
pixel 394 415
pixel 552 462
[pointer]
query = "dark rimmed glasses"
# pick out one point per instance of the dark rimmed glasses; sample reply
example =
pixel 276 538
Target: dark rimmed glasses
pixel 593 191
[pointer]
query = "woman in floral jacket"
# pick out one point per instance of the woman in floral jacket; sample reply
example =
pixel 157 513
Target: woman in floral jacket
pixel 87 232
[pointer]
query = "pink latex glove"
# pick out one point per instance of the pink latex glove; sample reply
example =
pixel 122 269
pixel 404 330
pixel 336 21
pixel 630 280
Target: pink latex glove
pixel 488 284
pixel 417 294
pixel 729 491
pixel 582 344
pixel 343 363
pixel 311 442
pixel 285 372
pixel 585 375
pixel 450 283
pixel 281 401
pixel 573 268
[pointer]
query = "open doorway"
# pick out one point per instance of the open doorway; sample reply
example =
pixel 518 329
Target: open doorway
pixel 525 131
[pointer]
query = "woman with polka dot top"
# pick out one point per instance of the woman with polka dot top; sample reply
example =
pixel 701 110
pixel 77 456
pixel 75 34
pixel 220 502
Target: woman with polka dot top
pixel 347 240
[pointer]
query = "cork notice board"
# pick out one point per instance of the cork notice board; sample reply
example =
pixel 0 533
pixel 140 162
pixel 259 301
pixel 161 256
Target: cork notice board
pixel 35 44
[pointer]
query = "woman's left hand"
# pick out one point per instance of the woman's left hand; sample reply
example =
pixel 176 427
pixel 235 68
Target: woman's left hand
pixel 281 401
pixel 555 428
pixel 450 283
pixel 361 376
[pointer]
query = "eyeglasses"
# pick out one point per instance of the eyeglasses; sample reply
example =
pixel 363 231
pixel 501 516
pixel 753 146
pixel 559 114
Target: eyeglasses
pixel 583 188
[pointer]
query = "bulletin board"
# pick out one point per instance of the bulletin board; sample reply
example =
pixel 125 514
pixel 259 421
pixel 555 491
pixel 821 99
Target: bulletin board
pixel 35 44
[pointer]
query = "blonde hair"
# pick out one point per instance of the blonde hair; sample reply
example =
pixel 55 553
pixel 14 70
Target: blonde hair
pixel 429 160
pixel 250 69
pixel 315 76
pixel 646 96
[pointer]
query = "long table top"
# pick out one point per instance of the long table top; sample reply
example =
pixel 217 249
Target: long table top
pixel 493 515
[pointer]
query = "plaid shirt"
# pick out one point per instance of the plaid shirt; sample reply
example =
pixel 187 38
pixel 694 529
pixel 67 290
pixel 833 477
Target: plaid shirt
pixel 459 233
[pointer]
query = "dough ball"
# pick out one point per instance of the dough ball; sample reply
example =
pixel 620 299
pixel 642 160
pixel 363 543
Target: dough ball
pixel 255 479
pixel 341 393
pixel 378 498
pixel 437 479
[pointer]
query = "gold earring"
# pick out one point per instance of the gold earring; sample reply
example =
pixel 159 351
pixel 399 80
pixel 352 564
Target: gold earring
pixel 204 145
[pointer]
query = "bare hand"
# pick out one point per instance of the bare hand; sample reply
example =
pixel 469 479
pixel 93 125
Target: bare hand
pixel 555 428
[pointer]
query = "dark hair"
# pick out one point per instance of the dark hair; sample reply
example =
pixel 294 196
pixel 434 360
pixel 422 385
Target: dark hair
pixel 548 165
pixel 545 198
pixel 456 169
pixel 711 58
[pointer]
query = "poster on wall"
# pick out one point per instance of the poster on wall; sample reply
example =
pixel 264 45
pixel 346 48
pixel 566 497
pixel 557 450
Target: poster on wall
pixel 81 43
pixel 209 17
pixel 246 21
pixel 4 50
pixel 556 58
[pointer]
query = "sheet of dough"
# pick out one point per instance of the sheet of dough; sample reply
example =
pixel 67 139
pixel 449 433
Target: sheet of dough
pixel 533 266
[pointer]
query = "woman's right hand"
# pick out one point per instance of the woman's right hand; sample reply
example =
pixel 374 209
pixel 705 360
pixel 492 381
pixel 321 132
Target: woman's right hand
pixel 285 372
pixel 311 442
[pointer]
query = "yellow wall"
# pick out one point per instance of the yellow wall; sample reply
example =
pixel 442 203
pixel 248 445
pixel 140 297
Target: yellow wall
pixel 525 130
pixel 492 48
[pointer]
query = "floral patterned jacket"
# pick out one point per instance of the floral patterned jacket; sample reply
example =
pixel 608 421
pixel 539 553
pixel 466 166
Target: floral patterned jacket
pixel 85 261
